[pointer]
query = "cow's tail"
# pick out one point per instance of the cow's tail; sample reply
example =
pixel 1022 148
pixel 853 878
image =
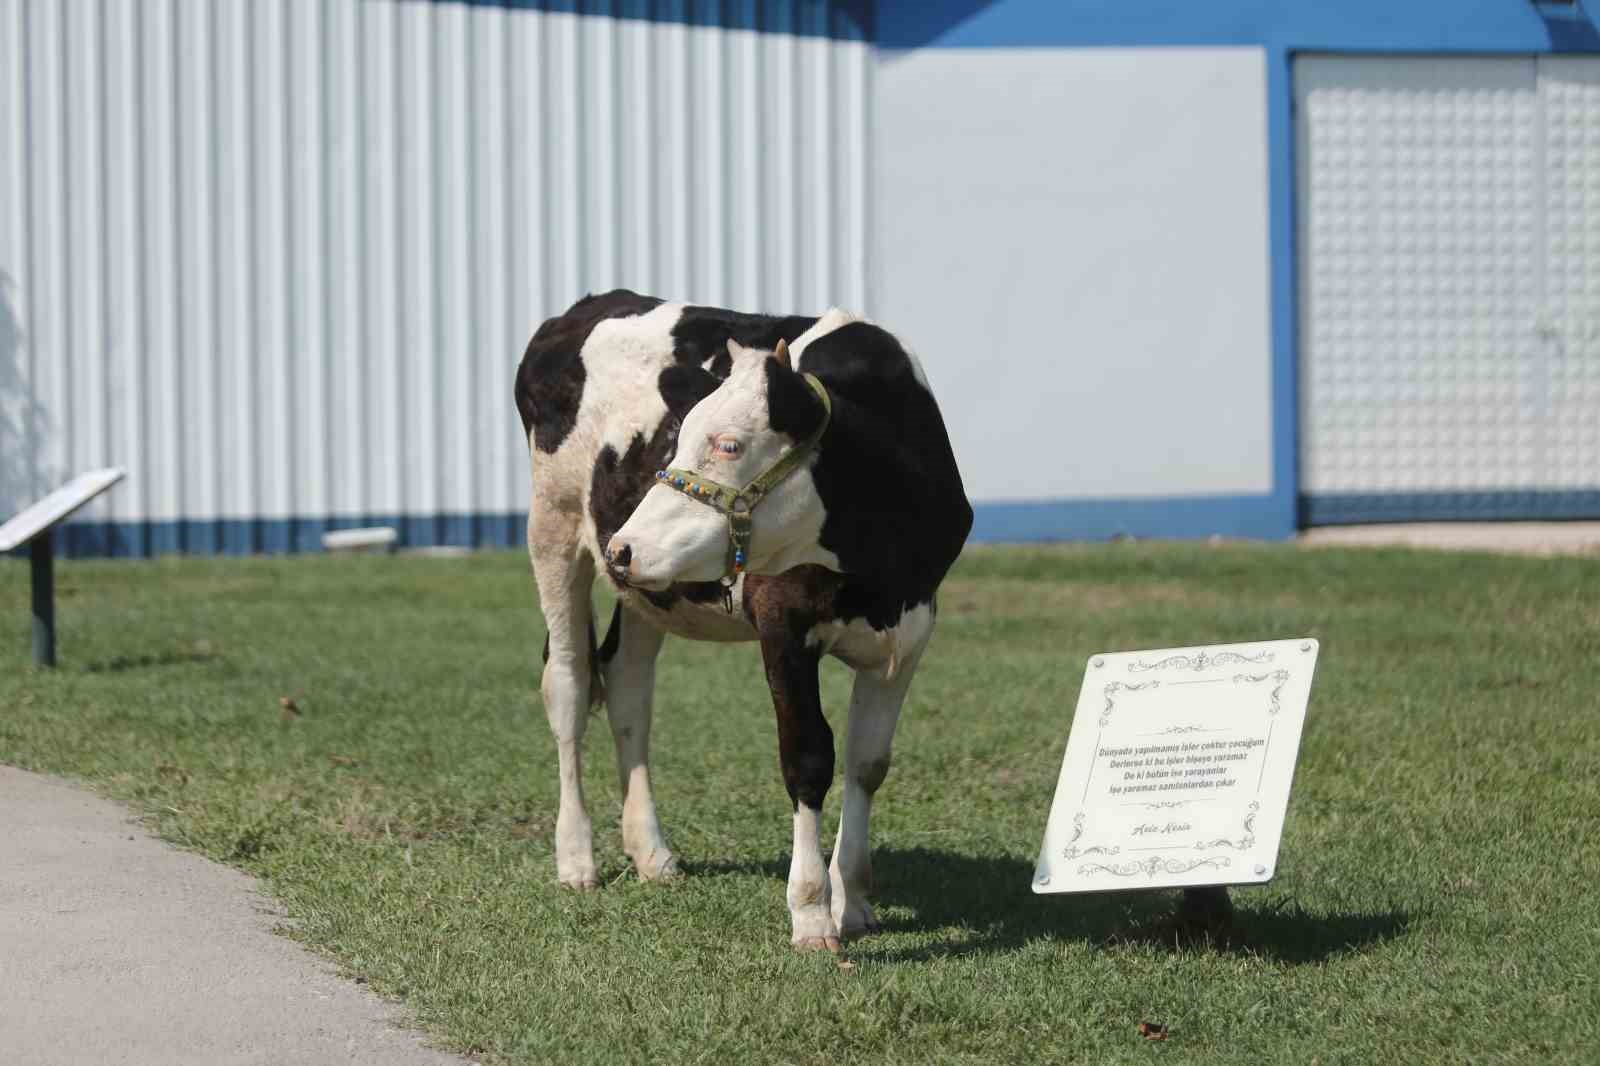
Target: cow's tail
pixel 599 655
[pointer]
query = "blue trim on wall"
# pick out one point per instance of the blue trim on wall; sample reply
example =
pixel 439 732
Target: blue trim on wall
pixel 842 20
pixel 1348 25
pixel 279 536
pixel 1175 517
pixel 1257 517
pixel 1368 508
pixel 1284 271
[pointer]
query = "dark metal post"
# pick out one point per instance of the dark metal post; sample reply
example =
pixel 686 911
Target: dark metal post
pixel 44 600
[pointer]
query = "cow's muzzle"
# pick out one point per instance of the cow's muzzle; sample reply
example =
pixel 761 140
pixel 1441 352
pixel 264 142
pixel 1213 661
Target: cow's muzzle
pixel 619 558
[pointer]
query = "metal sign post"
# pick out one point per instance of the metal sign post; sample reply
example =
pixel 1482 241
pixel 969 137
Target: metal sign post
pixel 32 527
pixel 44 600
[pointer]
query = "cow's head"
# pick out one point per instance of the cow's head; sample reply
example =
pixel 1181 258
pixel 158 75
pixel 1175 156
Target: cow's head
pixel 737 431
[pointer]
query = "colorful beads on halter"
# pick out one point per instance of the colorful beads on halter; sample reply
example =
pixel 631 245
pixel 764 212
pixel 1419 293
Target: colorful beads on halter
pixel 693 488
pixel 738 561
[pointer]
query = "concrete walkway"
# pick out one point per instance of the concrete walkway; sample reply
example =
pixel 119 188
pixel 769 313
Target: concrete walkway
pixel 1513 538
pixel 117 948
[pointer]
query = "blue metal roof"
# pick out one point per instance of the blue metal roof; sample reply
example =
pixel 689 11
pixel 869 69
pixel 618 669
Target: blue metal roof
pixel 845 20
pixel 1309 25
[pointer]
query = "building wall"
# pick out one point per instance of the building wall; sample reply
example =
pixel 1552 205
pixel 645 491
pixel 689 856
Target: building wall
pixel 1080 237
pixel 280 259
pixel 1449 263
pixel 1118 397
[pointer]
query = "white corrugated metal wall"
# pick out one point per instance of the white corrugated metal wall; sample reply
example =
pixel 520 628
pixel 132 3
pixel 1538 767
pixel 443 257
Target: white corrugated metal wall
pixel 279 258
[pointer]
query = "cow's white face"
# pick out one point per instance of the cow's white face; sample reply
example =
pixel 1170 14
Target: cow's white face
pixel 728 437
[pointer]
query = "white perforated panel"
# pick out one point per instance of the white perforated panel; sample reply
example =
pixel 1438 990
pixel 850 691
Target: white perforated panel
pixel 1450 276
pixel 1569 89
pixel 1419 244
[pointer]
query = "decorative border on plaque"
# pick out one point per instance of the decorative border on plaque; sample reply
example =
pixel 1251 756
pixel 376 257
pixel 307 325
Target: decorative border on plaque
pixel 1280 676
pixel 1154 865
pixel 1115 687
pixel 1198 662
pixel 1072 851
pixel 1244 843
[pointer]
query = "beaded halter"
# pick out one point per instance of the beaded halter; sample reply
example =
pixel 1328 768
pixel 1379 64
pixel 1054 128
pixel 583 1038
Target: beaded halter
pixel 738 504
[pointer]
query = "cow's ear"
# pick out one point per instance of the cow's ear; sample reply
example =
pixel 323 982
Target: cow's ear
pixel 781 354
pixel 683 386
pixel 791 405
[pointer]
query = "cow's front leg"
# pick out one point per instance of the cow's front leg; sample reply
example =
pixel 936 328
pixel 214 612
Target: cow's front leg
pixel 875 703
pixel 564 575
pixel 805 748
pixel 630 692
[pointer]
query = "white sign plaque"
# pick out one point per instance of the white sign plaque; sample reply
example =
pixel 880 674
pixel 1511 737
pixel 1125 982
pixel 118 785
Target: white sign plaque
pixel 56 506
pixel 1178 768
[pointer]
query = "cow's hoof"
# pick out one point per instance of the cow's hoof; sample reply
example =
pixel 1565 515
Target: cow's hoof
pixel 580 884
pixel 863 922
pixel 856 930
pixel 817 943
pixel 659 865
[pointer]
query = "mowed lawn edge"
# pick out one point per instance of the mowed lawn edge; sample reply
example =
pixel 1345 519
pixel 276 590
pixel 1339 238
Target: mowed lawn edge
pixel 365 735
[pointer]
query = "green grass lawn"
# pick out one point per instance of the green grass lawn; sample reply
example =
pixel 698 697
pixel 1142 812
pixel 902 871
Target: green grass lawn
pixel 1437 897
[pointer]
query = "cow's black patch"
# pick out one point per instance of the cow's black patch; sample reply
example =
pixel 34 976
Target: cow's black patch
pixel 701 592
pixel 684 385
pixel 792 407
pixel 618 485
pixel 783 611
pixel 897 513
pixel 619 482
pixel 701 334
pixel 608 647
pixel 550 378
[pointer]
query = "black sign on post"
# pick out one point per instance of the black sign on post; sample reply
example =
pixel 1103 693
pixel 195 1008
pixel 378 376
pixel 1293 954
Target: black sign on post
pixel 32 527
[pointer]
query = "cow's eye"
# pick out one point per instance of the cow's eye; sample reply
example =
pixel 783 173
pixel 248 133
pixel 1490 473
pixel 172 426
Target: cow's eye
pixel 727 448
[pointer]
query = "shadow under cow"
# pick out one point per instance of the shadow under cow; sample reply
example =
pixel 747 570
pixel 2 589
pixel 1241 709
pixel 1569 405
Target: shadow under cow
pixel 989 899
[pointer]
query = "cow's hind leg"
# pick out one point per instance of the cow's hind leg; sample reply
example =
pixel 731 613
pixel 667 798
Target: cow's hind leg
pixel 630 675
pixel 565 574
pixel 875 704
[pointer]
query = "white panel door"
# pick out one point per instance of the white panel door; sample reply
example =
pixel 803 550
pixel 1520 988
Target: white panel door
pixel 1086 281
pixel 1447 247
pixel 1569 92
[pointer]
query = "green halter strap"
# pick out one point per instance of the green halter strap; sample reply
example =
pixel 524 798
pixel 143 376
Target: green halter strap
pixel 737 504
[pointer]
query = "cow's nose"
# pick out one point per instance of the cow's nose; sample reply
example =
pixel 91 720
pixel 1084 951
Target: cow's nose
pixel 619 556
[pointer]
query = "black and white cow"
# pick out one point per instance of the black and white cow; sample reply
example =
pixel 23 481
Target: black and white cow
pixel 844 555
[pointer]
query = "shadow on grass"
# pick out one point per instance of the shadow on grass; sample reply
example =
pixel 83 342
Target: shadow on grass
pixel 123 663
pixel 990 901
